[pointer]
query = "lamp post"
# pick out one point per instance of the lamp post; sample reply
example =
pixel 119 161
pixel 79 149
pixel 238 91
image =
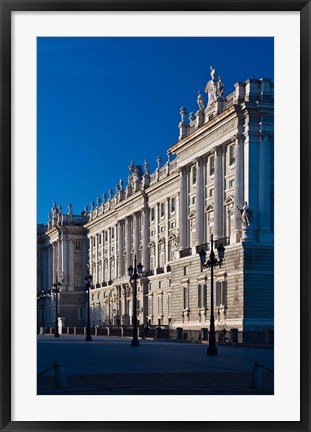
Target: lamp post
pixel 56 289
pixel 88 284
pixel 134 274
pixel 211 263
pixel 42 296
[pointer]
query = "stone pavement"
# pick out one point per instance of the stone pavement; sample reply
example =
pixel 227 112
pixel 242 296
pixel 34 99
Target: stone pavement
pixel 111 366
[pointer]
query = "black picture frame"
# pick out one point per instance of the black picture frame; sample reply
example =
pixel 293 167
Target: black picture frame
pixel 9 6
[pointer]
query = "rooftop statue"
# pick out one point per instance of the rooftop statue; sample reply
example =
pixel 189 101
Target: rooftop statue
pixel 159 160
pixel 215 87
pixel 121 184
pixel 213 73
pixel 169 155
pixel 146 167
pixel 200 101
pixel 220 87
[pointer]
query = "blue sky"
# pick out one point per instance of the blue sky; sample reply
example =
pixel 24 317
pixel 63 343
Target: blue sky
pixel 103 101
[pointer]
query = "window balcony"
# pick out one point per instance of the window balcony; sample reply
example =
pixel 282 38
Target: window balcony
pixel 185 252
pixel 160 270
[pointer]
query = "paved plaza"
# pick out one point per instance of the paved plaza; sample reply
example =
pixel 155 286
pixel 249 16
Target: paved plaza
pixel 111 366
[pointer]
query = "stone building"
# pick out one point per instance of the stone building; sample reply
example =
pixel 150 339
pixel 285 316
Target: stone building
pixel 218 179
pixel 62 257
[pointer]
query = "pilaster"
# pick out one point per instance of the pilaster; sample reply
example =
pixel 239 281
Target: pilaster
pixel 218 193
pixel 238 184
pixel 199 202
pixel 183 208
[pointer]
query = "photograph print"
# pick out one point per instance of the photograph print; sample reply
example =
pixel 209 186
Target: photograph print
pixel 155 221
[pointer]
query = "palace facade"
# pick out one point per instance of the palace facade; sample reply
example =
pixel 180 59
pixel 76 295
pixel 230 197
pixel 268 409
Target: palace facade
pixel 218 179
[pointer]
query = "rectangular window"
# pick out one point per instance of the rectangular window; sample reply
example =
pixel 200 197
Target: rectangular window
pixel 211 165
pixel 169 305
pixel 185 271
pixel 106 235
pixel 78 245
pixel 152 215
pixel 224 292
pixel 202 296
pixel 231 183
pixel 205 296
pixel 160 305
pixel 94 241
pixel 193 200
pixel 162 259
pixel 99 239
pixel 194 175
pixel 232 154
pixel 172 205
pixel 185 297
pixel 81 314
pixel 112 233
pixel 211 193
pixel 221 293
pixel 162 210
pixel 217 300
pixel 199 296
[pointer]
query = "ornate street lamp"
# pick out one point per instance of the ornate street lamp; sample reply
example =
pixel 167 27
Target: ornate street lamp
pixel 134 274
pixel 210 264
pixel 56 290
pixel 88 283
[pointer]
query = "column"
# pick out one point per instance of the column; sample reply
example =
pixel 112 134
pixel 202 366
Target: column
pixel 167 228
pixel 96 260
pixel 183 209
pixel 121 247
pixel 218 194
pixel 86 257
pixel 238 182
pixel 136 234
pixel 103 255
pixel 59 257
pixel 50 266
pixel 109 253
pixel 128 242
pixel 91 256
pixel 199 202
pixel 146 232
pixel 54 262
pixel 64 267
pixel 156 226
pixel 71 265
pixel 116 264
pixel 251 175
pixel 177 211
pixel 264 184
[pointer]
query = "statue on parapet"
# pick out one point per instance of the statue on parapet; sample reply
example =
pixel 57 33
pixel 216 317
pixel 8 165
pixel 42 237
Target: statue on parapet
pixel 246 214
pixel 146 167
pixel 220 88
pixel 200 101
